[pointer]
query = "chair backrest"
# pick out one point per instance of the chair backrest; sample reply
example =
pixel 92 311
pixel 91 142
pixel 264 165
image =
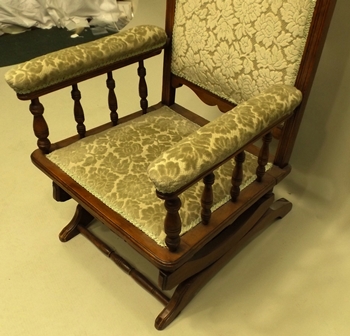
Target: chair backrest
pixel 230 50
pixel 238 48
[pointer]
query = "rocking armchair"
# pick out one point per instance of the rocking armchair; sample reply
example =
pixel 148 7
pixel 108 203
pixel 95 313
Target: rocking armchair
pixel 185 193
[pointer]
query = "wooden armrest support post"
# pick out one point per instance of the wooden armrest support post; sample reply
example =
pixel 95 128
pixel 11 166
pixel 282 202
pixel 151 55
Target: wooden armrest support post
pixel 172 222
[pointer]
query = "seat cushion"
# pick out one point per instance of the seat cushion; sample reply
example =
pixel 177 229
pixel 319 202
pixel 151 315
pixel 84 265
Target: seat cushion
pixel 112 165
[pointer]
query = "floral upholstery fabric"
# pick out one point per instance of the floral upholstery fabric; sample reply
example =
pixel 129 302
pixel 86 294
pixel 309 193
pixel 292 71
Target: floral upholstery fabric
pixel 64 64
pixel 112 165
pixel 238 48
pixel 221 138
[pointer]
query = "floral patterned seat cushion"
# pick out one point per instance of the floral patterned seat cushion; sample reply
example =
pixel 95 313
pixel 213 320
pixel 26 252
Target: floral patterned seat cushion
pixel 238 48
pixel 113 166
pixel 58 66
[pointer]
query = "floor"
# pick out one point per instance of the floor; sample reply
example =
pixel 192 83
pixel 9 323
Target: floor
pixel 294 279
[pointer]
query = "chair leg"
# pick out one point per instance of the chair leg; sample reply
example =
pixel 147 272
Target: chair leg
pixel 186 291
pixel 182 296
pixel 59 194
pixel 82 218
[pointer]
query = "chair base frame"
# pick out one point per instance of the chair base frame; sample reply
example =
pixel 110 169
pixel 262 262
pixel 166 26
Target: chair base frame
pixel 208 263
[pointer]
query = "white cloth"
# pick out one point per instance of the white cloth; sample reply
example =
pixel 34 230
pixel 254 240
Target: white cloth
pixel 60 13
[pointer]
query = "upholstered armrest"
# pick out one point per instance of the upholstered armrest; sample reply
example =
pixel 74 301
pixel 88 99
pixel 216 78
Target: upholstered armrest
pixel 65 64
pixel 221 138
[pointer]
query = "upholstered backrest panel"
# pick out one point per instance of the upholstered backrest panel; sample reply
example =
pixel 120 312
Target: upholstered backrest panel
pixel 238 48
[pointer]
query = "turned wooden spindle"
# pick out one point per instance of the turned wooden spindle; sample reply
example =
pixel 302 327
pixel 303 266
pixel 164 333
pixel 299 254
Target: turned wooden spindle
pixel 207 198
pixel 237 176
pixel 78 111
pixel 263 156
pixel 112 98
pixel 40 127
pixel 143 92
pixel 172 222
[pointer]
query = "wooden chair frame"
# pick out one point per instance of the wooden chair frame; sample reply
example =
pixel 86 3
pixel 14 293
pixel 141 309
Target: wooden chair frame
pixel 187 265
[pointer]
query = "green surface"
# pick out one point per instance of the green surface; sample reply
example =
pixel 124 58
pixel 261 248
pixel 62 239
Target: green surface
pixel 36 42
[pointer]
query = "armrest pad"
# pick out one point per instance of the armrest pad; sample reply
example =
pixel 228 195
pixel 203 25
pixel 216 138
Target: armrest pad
pixel 221 138
pixel 59 66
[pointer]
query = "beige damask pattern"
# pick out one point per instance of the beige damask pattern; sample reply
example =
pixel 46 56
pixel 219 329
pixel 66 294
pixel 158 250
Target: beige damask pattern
pixel 238 48
pixel 64 64
pixel 221 138
pixel 113 165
